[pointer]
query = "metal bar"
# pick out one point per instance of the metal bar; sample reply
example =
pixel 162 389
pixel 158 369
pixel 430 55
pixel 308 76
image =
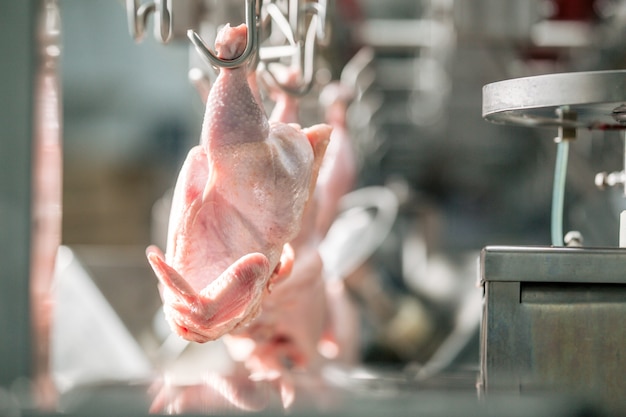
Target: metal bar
pixel 17 70
pixel 550 264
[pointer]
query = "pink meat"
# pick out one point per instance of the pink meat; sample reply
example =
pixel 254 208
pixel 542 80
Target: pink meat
pixel 338 173
pixel 294 315
pixel 46 223
pixel 297 317
pixel 238 201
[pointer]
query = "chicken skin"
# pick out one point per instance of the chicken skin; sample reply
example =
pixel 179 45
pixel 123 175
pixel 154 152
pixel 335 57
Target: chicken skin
pixel 238 201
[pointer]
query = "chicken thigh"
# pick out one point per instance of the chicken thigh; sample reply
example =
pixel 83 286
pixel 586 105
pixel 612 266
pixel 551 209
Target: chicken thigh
pixel 238 201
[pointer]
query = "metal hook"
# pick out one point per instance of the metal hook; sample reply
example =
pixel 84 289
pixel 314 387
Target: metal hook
pixel 281 22
pixel 306 62
pixel 320 8
pixel 249 51
pixel 272 53
pixel 301 40
pixel 292 28
pixel 138 18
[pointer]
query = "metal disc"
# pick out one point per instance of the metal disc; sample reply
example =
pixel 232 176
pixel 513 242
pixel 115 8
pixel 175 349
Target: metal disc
pixel 596 98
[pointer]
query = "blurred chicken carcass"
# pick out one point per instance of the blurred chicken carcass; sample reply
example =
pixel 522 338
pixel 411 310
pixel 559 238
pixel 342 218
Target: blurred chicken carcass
pixel 338 173
pixel 238 201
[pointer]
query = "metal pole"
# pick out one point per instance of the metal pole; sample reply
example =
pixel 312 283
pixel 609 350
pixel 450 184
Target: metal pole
pixel 17 70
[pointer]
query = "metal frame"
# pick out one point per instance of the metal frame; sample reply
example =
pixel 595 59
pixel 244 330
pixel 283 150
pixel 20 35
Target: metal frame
pixel 17 71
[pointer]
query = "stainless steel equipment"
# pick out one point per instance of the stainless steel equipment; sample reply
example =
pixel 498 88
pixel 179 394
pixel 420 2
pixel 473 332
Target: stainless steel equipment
pixel 551 320
pixel 596 98
pixel 551 315
pixel 279 32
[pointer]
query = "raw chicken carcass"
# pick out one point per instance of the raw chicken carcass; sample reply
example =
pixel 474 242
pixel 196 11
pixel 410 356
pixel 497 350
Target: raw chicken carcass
pixel 280 338
pixel 338 174
pixel 238 201
pixel 294 315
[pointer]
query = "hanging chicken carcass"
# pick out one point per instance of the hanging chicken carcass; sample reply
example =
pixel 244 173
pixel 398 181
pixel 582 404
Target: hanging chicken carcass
pixel 238 201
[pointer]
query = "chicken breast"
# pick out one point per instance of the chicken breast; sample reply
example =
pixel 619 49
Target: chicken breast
pixel 238 201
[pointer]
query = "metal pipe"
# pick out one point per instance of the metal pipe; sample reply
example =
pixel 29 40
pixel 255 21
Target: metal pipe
pixel 566 134
pixel 558 192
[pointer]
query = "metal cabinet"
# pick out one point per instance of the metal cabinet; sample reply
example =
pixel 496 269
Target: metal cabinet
pixel 553 319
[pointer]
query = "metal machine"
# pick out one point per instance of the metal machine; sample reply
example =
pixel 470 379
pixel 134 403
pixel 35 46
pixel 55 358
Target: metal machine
pixel 549 312
pixel 445 194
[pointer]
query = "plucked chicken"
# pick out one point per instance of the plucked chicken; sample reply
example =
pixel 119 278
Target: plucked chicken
pixel 298 322
pixel 238 202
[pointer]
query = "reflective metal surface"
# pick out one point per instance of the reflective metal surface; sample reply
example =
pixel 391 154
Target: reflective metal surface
pixel 548 264
pixel 596 97
pixel 387 393
pixel 550 321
